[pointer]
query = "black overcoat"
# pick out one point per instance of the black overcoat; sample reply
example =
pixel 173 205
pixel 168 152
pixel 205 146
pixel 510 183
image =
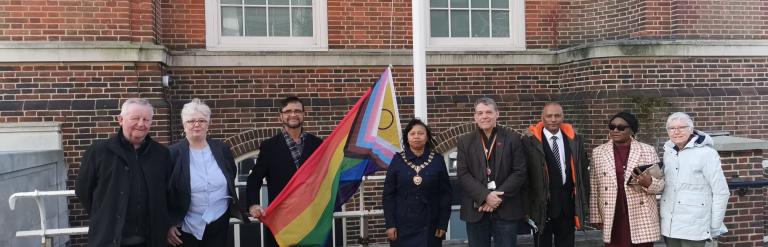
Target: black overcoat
pixel 104 181
pixel 276 165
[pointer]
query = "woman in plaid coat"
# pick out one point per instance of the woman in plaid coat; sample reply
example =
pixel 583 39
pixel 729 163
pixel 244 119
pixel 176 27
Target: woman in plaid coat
pixel 628 215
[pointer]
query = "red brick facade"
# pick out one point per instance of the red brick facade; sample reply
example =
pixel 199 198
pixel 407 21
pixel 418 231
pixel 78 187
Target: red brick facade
pixel 722 92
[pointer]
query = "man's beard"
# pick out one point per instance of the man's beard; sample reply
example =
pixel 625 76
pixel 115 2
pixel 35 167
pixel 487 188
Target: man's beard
pixel 288 125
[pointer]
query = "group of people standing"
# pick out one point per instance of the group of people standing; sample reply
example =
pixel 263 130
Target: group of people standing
pixel 137 192
pixel 544 180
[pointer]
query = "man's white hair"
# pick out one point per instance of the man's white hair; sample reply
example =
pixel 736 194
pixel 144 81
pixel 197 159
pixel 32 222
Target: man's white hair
pixel 681 117
pixel 135 101
pixel 195 106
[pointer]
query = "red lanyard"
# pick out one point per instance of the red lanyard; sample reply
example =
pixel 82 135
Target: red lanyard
pixel 488 152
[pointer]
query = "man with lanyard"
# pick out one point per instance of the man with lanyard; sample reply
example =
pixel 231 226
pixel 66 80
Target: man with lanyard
pixel 491 171
pixel 280 158
pixel 558 179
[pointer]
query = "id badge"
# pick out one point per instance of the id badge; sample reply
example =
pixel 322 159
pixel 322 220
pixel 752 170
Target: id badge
pixel 492 185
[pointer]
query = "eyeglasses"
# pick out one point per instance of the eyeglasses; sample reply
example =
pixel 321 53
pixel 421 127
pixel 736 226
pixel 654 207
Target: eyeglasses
pixel 619 127
pixel 677 129
pixel 294 111
pixel 197 121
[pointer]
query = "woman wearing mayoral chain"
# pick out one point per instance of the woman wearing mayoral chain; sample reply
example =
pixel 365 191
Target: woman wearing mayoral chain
pixel 417 193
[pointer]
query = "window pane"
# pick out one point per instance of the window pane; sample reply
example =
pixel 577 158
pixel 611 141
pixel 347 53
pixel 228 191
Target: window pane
pixel 302 2
pixel 256 21
pixel 459 3
pixel 256 2
pixel 279 22
pixel 302 22
pixel 438 23
pixel 231 2
pixel 438 3
pixel 500 23
pixel 279 2
pixel 480 25
pixel 231 21
pixel 479 3
pixel 500 4
pixel 459 23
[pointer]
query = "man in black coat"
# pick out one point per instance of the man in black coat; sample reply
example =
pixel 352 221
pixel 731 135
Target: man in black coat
pixel 122 182
pixel 491 171
pixel 280 158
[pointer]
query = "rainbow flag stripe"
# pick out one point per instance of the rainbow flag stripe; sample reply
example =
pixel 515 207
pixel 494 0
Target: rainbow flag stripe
pixel 365 140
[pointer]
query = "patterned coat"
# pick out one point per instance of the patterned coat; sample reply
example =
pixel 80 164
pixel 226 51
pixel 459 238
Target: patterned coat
pixel 641 203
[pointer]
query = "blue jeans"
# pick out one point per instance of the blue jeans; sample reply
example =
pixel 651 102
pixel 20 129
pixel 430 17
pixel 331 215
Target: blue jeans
pixel 504 232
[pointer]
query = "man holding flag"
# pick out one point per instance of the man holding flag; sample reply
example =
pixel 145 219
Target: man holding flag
pixel 279 158
pixel 363 142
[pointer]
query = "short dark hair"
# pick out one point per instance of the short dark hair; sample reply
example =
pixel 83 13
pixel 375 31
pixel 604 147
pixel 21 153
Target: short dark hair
pixel 288 100
pixel 409 127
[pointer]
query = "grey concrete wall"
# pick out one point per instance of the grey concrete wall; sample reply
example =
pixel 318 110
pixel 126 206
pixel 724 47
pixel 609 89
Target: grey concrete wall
pixel 29 171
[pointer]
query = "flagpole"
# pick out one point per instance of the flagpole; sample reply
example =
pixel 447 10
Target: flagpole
pixel 419 61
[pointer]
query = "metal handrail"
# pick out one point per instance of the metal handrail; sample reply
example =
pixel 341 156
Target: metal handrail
pixel 742 186
pixel 747 184
pixel 44 233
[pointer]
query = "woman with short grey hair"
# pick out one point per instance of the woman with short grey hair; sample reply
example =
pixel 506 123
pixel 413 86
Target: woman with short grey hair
pixel 695 194
pixel 202 194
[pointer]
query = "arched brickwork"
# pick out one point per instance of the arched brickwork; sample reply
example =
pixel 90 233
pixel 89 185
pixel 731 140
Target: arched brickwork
pixel 249 140
pixel 448 139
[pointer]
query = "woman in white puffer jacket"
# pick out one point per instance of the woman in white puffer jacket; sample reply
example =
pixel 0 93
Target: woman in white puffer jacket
pixel 695 193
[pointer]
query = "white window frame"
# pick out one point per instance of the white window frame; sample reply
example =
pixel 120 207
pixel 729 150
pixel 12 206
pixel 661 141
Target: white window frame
pixel 214 41
pixel 515 41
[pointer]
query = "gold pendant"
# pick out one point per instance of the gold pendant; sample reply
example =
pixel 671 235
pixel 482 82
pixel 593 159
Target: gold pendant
pixel 417 180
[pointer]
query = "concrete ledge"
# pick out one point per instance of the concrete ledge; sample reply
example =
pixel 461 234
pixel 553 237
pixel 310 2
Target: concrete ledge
pixel 22 52
pixel 81 52
pixel 665 48
pixel 30 136
pixel 732 143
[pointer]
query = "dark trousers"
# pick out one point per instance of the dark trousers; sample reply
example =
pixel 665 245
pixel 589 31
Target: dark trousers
pixel 269 239
pixel 135 245
pixel 504 232
pixel 561 230
pixel 215 234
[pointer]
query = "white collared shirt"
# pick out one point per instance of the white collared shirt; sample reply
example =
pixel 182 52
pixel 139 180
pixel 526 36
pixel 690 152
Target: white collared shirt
pixel 560 147
pixel 208 196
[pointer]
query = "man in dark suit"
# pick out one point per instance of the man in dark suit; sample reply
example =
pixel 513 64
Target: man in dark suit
pixel 280 158
pixel 491 171
pixel 558 179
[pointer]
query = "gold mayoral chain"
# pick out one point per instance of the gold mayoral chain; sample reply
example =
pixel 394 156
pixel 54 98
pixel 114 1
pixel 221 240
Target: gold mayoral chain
pixel 417 168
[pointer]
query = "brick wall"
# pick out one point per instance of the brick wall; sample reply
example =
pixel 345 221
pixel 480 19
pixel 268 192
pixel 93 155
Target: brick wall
pixel 710 19
pixel 550 24
pixel 85 98
pixel 723 94
pixel 520 91
pixel 745 217
pixel 71 20
pixel 183 24
pixel 369 24
pixel 588 21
